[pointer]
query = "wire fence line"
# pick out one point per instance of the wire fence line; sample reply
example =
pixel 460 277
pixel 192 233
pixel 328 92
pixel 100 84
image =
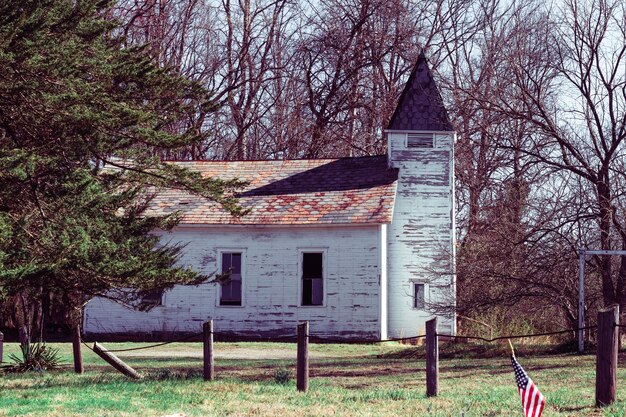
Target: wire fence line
pixel 190 337
pixel 517 336
pixel 182 339
pixel 87 346
pixel 274 339
pixel 291 338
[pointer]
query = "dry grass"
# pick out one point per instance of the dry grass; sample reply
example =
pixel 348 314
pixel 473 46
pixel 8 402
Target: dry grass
pixel 347 380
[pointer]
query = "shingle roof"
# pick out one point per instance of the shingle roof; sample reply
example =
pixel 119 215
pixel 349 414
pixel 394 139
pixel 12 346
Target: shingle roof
pixel 420 106
pixel 320 191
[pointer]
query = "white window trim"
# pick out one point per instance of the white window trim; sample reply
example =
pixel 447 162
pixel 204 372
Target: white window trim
pixel 412 294
pixel 324 252
pixel 244 273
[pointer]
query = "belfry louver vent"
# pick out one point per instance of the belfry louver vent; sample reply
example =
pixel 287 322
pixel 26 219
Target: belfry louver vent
pixel 420 140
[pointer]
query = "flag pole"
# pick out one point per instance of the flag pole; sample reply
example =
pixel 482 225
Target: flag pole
pixel 512 350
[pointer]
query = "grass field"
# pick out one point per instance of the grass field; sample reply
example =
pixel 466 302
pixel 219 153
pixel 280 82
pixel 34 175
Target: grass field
pixel 346 380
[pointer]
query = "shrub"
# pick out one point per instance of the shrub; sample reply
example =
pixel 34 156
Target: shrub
pixel 35 357
pixel 282 376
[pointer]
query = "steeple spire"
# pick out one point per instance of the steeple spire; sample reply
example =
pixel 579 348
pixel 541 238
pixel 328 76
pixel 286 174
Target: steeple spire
pixel 420 107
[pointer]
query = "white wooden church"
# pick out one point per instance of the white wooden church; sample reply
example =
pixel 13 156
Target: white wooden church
pixel 361 247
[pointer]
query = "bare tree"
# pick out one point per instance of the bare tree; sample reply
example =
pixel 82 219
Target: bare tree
pixel 517 225
pixel 569 81
pixel 252 62
pixel 180 35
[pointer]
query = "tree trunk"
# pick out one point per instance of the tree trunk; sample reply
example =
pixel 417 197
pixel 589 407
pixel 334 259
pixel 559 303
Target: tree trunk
pixel 23 316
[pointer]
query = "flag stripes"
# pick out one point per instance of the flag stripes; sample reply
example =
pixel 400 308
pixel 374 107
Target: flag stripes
pixel 532 400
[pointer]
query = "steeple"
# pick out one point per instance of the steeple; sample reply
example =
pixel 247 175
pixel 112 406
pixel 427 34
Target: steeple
pixel 420 145
pixel 420 107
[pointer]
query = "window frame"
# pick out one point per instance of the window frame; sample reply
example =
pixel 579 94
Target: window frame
pixel 220 253
pixel 301 252
pixel 425 287
pixel 156 298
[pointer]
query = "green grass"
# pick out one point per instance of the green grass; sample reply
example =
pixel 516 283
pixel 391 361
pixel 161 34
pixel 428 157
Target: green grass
pixel 346 380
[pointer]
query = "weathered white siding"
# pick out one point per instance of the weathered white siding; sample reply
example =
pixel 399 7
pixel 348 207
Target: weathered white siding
pixel 271 285
pixel 421 235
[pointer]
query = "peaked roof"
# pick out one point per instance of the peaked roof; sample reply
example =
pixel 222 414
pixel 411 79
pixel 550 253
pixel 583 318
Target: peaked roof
pixel 420 106
pixel 318 191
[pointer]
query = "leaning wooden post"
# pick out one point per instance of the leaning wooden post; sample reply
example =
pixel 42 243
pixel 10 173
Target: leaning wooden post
pixel 1 345
pixel 606 356
pixel 303 357
pixel 432 358
pixel 114 361
pixel 209 370
pixel 78 356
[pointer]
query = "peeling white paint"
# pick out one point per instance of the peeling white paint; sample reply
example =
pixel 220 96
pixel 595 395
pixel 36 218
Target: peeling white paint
pixel 272 284
pixel 421 235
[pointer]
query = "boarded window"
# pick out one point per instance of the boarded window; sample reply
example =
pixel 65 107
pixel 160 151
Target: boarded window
pixel 231 288
pixel 312 279
pixel 420 140
pixel 419 300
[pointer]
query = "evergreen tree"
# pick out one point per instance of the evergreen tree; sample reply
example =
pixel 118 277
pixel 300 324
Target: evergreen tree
pixel 81 120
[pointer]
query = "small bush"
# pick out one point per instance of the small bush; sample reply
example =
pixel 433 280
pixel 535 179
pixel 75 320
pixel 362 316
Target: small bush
pixel 282 376
pixel 35 357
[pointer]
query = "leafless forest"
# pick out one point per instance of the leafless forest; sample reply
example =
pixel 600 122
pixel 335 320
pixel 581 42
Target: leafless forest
pixel 537 93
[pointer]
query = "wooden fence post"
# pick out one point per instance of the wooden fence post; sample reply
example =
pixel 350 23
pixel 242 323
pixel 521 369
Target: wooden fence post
pixel 209 370
pixel 302 376
pixel 78 356
pixel 432 358
pixel 1 345
pixel 606 356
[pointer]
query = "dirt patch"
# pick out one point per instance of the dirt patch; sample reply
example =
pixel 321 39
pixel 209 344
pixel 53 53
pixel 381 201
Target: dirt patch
pixel 230 353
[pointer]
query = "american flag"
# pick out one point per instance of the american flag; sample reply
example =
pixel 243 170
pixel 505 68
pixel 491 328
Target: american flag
pixel 532 400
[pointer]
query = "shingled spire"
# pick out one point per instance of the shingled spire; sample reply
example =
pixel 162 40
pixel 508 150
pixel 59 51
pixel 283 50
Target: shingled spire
pixel 420 107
